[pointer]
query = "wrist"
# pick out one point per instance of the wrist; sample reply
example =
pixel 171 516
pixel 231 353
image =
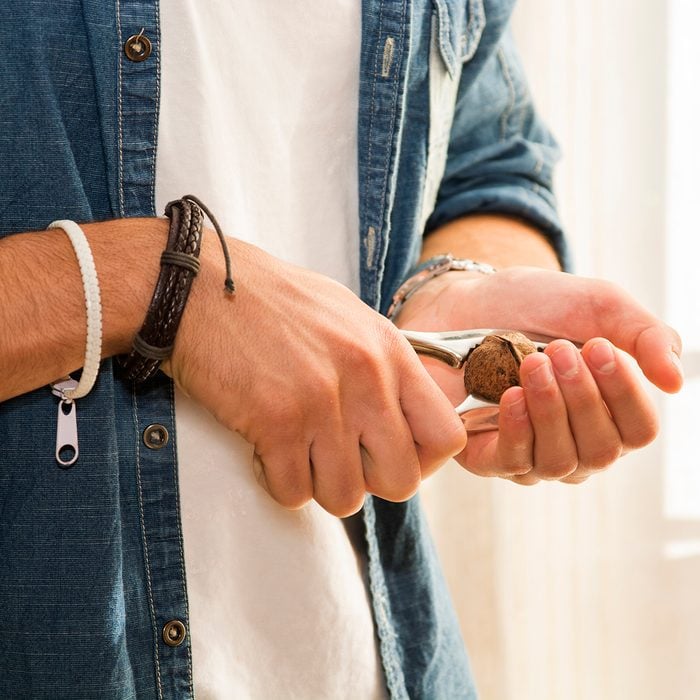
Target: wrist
pixel 127 259
pixel 442 298
pixel 179 265
pixel 430 269
pixel 208 300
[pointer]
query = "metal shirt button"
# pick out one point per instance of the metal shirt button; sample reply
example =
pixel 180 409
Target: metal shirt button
pixel 138 47
pixel 174 633
pixel 155 436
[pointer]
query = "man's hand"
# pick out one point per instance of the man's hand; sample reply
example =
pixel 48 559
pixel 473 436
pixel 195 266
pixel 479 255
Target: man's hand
pixel 334 400
pixel 332 397
pixel 577 411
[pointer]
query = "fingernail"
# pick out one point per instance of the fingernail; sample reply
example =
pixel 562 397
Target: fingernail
pixel 565 361
pixel 541 377
pixel 518 410
pixel 602 357
pixel 676 360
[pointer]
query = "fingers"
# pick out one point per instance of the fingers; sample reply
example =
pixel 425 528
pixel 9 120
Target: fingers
pixel 508 452
pixel 338 480
pixel 391 457
pixel 286 475
pixel 596 435
pixel 657 349
pixel 585 308
pixel 352 456
pixel 363 444
pixel 399 481
pixel 611 312
pixel 436 429
pixel 630 327
pixel 577 412
pixel 555 450
pixel 630 407
pixel 518 437
pixel 337 471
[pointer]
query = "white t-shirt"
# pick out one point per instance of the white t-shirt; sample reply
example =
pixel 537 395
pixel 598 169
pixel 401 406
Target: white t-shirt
pixel 259 119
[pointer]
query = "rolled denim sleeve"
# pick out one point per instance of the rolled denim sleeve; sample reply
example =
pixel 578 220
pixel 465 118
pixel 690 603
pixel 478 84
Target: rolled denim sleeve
pixel 501 156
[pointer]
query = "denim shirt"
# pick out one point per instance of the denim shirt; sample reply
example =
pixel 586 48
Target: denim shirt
pixel 92 557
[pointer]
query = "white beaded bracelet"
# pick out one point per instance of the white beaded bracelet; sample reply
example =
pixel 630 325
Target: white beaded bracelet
pixel 93 307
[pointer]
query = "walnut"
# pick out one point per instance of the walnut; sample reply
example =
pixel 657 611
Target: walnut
pixel 494 366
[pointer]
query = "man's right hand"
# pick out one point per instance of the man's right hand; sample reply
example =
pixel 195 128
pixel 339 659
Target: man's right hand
pixel 331 395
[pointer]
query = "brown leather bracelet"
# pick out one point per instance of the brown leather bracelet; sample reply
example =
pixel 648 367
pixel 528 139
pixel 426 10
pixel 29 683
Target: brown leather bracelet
pixel 179 266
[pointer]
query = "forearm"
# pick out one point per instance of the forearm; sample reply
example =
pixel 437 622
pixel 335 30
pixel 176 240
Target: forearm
pixel 42 315
pixel 500 241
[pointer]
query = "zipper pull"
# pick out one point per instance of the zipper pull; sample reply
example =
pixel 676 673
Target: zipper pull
pixel 67 424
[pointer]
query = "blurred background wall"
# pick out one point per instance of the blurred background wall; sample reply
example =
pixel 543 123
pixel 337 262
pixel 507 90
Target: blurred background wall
pixel 593 591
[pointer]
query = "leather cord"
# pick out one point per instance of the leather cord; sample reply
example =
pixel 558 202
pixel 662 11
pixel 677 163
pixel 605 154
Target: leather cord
pixel 179 266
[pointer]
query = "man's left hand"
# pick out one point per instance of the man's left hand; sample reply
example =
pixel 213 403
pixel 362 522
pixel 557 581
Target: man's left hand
pixel 577 411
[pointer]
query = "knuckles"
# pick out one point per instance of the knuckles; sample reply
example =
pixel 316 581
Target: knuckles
pixel 524 479
pixel 293 500
pixel 556 471
pixel 283 417
pixel 371 354
pixel 345 506
pixel 365 362
pixel 574 480
pixel 644 432
pixel 396 492
pixel 288 485
pixel 517 470
pixel 603 457
pixel 450 438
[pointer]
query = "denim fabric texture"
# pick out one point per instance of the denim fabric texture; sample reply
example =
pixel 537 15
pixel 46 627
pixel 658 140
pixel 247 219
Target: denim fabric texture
pixel 92 557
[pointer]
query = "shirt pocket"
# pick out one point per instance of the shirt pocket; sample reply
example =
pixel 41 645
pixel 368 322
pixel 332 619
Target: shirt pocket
pixel 456 28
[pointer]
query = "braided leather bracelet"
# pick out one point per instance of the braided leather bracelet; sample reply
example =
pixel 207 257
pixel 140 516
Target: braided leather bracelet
pixel 179 266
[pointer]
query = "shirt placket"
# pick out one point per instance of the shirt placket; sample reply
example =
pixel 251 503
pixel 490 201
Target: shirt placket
pixel 386 28
pixel 384 58
pixel 152 405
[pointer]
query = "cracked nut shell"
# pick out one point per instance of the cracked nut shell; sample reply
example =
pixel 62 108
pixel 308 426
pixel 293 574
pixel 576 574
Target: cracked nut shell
pixel 494 366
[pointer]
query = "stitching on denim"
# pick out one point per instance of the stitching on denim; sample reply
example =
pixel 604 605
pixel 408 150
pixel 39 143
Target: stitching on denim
pixel 372 107
pixel 120 131
pixel 149 586
pixel 444 23
pixel 157 102
pixel 511 93
pixel 396 683
pixel 388 56
pixel 392 126
pixel 176 479
pixel 475 27
pixel 440 124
